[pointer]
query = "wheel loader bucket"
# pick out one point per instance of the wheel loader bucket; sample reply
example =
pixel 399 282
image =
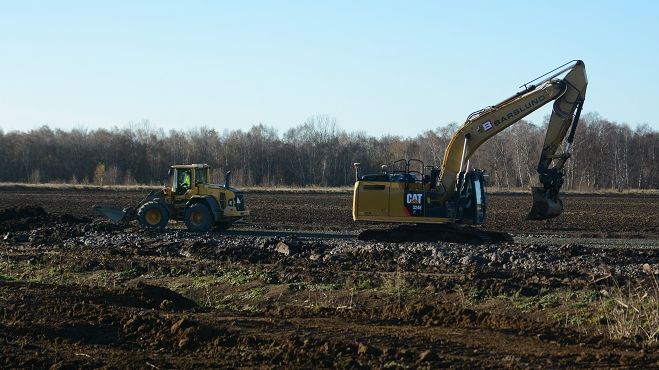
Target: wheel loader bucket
pixel 544 205
pixel 115 215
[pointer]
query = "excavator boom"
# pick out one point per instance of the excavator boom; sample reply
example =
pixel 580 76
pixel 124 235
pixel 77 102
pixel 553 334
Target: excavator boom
pixel 568 93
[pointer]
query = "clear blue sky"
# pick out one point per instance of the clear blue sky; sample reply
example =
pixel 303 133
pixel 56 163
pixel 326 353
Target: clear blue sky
pixel 382 67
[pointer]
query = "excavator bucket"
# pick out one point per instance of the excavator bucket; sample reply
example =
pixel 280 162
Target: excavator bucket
pixel 544 206
pixel 115 215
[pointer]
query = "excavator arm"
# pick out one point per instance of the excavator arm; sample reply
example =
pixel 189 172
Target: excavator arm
pixel 565 116
pixel 568 94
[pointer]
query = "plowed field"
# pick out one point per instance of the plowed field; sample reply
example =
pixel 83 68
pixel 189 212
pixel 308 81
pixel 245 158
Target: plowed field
pixel 292 287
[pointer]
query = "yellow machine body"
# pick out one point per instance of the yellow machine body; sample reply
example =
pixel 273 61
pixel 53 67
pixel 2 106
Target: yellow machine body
pixel 386 201
pixel 455 194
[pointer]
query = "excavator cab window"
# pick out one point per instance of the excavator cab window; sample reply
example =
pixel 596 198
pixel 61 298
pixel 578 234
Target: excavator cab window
pixel 472 197
pixel 477 192
pixel 479 195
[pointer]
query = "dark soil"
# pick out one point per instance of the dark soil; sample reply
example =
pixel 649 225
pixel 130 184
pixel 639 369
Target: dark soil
pixel 77 291
pixel 611 215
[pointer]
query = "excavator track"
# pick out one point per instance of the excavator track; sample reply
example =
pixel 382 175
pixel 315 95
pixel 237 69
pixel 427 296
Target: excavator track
pixel 440 232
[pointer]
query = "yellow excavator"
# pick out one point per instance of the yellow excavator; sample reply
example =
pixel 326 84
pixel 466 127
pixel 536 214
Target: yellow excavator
pixel 412 193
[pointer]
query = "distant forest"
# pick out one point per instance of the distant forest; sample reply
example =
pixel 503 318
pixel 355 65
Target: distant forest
pixel 606 155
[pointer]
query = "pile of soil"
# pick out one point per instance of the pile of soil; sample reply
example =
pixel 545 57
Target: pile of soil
pixel 30 217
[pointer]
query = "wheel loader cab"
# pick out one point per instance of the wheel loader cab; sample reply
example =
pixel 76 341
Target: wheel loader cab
pixel 189 177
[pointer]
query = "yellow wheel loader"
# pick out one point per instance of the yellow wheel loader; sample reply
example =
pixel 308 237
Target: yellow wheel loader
pixel 188 198
pixel 413 193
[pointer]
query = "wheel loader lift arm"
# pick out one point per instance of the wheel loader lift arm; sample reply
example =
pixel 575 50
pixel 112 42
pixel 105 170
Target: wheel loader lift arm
pixel 568 93
pixel 127 214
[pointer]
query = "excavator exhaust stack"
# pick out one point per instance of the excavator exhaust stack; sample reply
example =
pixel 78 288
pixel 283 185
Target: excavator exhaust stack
pixel 545 205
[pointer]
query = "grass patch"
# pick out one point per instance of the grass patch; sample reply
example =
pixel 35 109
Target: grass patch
pixel 313 287
pixel 242 276
pixel 526 190
pixel 253 294
pixel 145 187
pixel 129 274
pixel 472 297
pixel 527 304
pixel 234 277
pixel 632 312
pixel 366 284
pixel 65 186
pixel 300 189
pixel 293 189
pixel 322 287
pixel 397 285
pixel 204 281
pixel 235 301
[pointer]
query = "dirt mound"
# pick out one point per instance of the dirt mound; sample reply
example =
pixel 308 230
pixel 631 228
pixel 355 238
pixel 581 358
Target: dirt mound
pixel 24 218
pixel 157 297
pixel 22 212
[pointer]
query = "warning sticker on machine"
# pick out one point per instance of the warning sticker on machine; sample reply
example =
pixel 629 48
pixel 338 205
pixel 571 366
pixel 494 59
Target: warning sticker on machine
pixel 414 203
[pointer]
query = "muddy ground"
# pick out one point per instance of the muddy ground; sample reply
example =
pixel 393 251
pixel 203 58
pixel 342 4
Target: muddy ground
pixel 77 291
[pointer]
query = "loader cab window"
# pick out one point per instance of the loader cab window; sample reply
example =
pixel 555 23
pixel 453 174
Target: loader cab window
pixel 182 179
pixel 200 176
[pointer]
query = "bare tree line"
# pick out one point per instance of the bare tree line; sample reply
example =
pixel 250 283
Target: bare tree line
pixel 606 155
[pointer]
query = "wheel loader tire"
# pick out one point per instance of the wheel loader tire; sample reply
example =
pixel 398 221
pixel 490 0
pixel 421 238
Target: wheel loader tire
pixel 198 217
pixel 153 215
